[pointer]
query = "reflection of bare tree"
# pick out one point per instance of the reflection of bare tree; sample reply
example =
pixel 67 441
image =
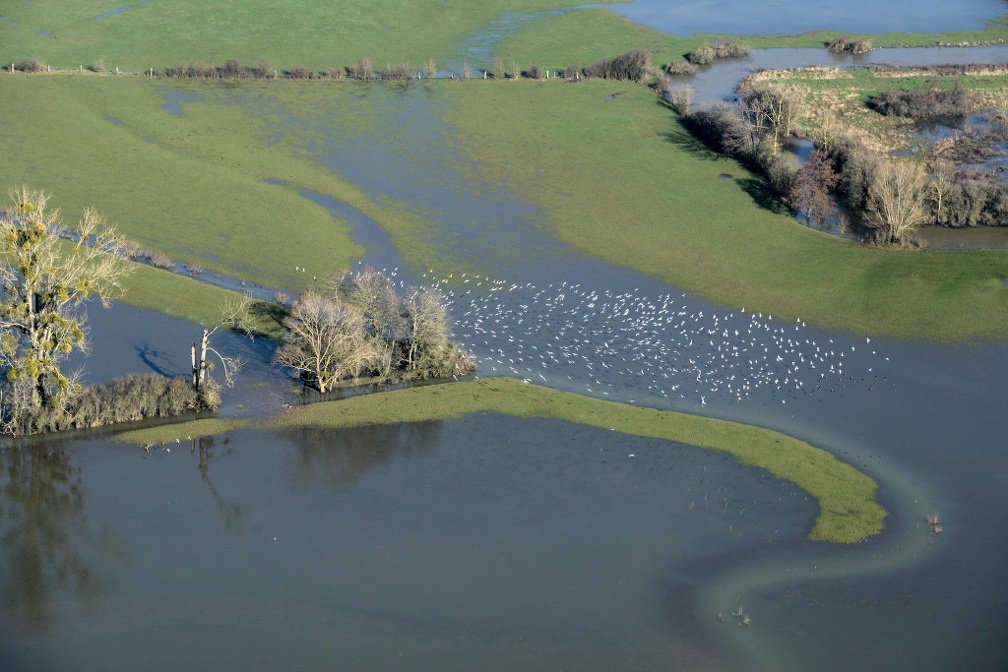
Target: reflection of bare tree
pixel 205 444
pixel 339 457
pixel 41 507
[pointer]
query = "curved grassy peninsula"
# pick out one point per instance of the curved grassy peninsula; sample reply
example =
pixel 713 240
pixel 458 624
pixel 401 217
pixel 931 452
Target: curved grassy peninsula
pixel 846 497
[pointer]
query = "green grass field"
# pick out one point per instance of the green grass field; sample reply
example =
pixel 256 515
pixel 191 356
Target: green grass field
pixel 846 497
pixel 193 187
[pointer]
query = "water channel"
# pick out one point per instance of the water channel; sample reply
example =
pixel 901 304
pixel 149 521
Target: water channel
pixel 494 543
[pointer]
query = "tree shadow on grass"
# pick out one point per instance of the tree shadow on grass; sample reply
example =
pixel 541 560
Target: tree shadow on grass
pixel 271 313
pixel 690 144
pixel 762 195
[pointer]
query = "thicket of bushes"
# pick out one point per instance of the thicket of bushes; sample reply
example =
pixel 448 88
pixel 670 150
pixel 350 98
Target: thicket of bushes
pixel 708 53
pixel 633 66
pixel 128 399
pixel 931 102
pixel 845 45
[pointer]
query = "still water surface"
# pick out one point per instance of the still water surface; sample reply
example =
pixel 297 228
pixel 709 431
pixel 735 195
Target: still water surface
pixel 489 541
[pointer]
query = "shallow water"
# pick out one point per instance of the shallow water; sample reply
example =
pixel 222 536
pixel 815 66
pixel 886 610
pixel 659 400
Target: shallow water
pixel 523 544
pixel 791 17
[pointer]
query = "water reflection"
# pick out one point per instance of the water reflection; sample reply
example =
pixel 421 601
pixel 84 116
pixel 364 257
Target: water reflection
pixel 43 528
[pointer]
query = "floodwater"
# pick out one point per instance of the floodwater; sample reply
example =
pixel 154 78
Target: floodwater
pixel 492 542
pixel 791 17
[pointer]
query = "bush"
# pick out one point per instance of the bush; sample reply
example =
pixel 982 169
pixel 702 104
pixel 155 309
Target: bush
pixel 33 64
pixel 98 65
pixel 703 55
pixel 514 70
pixel 129 399
pixel 683 67
pixel 333 73
pixel 192 69
pixel 572 73
pixel 399 72
pixel 430 68
pixel 680 98
pixel 856 166
pixel 633 66
pixel 534 71
pixel 924 103
pixel 300 72
pixel 844 45
pixel 362 69
pixel 731 50
pixel 498 68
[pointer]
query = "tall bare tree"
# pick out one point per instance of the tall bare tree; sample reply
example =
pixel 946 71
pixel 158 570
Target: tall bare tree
pixel 372 293
pixel 234 315
pixel 896 200
pixel 326 341
pixel 47 272
pixel 426 324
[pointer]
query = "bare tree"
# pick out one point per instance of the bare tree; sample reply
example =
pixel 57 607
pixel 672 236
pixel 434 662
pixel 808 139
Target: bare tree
pixel 514 70
pixel 372 293
pixel 896 200
pixel 941 182
pixel 430 68
pixel 498 68
pixel 46 280
pixel 426 324
pixel 810 188
pixel 326 341
pixel 234 315
pixel 772 110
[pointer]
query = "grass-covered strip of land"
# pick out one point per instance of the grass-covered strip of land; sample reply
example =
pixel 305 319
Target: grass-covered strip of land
pixel 846 497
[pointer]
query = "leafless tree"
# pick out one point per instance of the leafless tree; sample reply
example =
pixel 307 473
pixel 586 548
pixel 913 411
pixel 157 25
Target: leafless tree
pixel 897 200
pixel 326 341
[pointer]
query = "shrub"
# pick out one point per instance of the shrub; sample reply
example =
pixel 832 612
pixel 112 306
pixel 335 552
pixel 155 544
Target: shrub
pixel 856 166
pixel 572 73
pixel 633 66
pixel 264 69
pixel 680 98
pixel 333 73
pixel 362 69
pixel 844 45
pixel 498 68
pixel 33 64
pixel 192 69
pixel 430 68
pixel 300 72
pixel 924 103
pixel 128 399
pixel 534 71
pixel 400 71
pixel 683 67
pixel 158 259
pixel 731 50
pixel 466 71
pixel 514 70
pixel 98 65
pixel 703 55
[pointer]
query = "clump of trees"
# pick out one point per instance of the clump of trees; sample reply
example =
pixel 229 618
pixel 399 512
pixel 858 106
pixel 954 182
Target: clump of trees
pixel 708 53
pixel 633 66
pixel 928 103
pixel 358 327
pixel 845 45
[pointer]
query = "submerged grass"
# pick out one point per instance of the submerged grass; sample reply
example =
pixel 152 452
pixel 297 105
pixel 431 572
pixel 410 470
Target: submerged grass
pixel 846 497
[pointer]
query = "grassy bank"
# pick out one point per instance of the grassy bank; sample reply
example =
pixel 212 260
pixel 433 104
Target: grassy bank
pixel 846 497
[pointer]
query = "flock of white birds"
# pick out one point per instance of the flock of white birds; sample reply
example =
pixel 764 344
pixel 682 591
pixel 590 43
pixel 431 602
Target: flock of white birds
pixel 645 349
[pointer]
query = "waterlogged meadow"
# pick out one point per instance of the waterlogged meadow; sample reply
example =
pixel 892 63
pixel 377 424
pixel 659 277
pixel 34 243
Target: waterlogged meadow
pixel 593 253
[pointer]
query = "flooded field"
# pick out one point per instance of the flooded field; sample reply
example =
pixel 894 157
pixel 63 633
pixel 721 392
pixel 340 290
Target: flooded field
pixel 496 543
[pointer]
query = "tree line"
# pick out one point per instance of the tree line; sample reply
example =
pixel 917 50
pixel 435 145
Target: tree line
pixel 350 328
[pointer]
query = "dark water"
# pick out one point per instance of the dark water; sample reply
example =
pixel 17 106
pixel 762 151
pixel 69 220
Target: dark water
pixel 490 542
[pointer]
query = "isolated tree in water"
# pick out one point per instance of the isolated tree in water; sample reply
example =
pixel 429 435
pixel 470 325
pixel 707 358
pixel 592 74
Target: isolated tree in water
pixel 48 272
